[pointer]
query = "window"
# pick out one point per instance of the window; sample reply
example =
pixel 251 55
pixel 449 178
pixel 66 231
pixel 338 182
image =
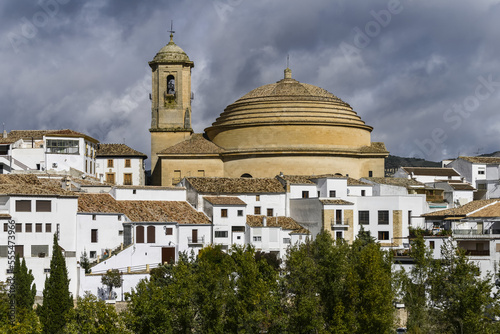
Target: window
pixel 305 194
pixel 257 198
pixel 338 235
pixel 287 240
pixel 120 232
pixel 257 238
pixel 431 244
pixel 364 217
pixel 39 250
pixel 5 227
pixel 110 163
pixel 170 85
pixel 270 212
pixel 338 217
pixel 240 213
pixel 93 235
pixel 19 250
pixel 221 234
pixel 409 217
pixel 223 213
pixel 38 227
pixel 23 206
pixel 19 227
pixel 383 235
pixel 383 217
pixel 94 217
pixel 370 173
pixel 169 231
pixel 256 210
pixel 481 171
pixel 92 254
pixel 481 186
pixel 119 217
pixel 43 206
pixel 201 173
pixel 110 178
pixel 363 192
pixel 127 179
pixel 48 228
pixel 127 163
pixel 194 236
pixel 139 234
pixel 238 228
pixel 151 231
pixel 28 228
pixel 333 193
pixel 60 146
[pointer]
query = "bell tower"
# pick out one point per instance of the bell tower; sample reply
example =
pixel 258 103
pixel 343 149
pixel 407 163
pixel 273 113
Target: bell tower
pixel 171 101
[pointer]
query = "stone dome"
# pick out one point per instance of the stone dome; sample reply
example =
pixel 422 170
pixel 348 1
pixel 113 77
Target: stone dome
pixel 171 53
pixel 290 114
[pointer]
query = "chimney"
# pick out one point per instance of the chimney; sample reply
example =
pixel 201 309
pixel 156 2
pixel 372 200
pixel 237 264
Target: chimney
pixel 264 221
pixel 4 133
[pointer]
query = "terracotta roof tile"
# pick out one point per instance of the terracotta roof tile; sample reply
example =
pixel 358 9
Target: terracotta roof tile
pixel 490 211
pixel 5 216
pixel 285 223
pixel 38 134
pixel 431 171
pixel 142 211
pixel 114 150
pixel 335 202
pixel 196 144
pixel 482 160
pixel 224 200
pixel 395 181
pixel 463 210
pixel 29 184
pixel 226 185
pixel 461 186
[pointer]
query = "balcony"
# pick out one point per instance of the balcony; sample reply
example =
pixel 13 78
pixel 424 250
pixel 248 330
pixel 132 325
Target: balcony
pixel 196 241
pixel 477 252
pixel 339 224
pixel 475 234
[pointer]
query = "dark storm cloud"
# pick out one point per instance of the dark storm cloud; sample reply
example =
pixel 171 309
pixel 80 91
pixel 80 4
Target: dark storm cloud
pixel 413 76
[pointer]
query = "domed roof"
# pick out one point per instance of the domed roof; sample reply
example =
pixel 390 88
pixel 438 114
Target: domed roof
pixel 288 101
pixel 171 53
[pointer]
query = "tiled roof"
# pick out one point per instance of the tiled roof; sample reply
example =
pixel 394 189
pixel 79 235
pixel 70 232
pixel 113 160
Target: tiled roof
pixel 29 184
pixel 224 200
pixel 226 185
pixel 355 182
pixel 114 150
pixel 151 187
pixel 142 211
pixel 285 223
pixel 38 134
pixel 5 216
pixel 395 181
pixel 482 160
pixel 431 171
pixel 196 144
pixel 297 179
pixel 489 211
pixel 335 202
pixel 463 210
pixel 375 147
pixel 461 186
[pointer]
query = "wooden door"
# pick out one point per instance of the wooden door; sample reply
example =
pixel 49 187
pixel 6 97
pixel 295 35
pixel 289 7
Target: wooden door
pixel 110 178
pixel 167 255
pixel 139 237
pixel 194 236
pixel 151 235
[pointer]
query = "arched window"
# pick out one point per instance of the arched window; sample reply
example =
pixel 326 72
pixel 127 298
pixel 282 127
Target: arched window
pixel 139 235
pixel 246 175
pixel 171 85
pixel 151 235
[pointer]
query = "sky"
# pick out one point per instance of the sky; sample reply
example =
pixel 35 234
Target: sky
pixel 424 74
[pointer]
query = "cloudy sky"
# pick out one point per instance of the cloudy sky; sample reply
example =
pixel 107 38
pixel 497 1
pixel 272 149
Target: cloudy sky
pixel 425 74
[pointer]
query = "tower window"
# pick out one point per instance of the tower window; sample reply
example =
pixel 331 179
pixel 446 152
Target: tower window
pixel 171 85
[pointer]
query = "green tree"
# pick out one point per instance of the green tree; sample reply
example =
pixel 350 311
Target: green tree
pixel 112 279
pixel 85 262
pixel 57 305
pixel 25 288
pixel 4 307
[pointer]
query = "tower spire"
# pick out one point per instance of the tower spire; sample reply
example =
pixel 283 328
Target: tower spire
pixel 171 31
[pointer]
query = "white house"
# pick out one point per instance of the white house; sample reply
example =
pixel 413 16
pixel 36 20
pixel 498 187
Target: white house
pixel 119 164
pixel 428 174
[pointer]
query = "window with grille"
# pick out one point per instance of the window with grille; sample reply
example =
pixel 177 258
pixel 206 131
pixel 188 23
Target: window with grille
pixel 383 235
pixel 383 217
pixel 364 217
pixel 221 234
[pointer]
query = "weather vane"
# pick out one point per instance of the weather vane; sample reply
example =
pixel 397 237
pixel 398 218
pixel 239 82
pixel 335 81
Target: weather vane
pixel 171 31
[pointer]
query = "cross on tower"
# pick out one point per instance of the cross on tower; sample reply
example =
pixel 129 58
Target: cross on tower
pixel 171 31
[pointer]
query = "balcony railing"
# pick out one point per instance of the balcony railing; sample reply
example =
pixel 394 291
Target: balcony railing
pixel 339 224
pixel 477 252
pixel 468 233
pixel 196 241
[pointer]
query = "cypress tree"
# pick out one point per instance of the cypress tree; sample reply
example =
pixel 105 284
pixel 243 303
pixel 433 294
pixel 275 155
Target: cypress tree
pixel 25 290
pixel 57 300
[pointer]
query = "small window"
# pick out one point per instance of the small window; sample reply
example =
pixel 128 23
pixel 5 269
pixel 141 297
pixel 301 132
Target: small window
pixel 127 163
pixel 221 234
pixel 256 210
pixel 270 212
pixel 94 217
pixel 481 186
pixel 23 206
pixel 409 217
pixel 333 193
pixel 223 213
pixel 363 192
pixel 92 255
pixel 431 244
pixel 47 270
pixel 481 172
pixel 127 179
pixel 139 238
pixel 287 240
pixel 370 173
pixel 110 178
pixel 134 192
pixel 93 235
pixel 110 163
pixel 19 228
pixel 48 228
pixel 201 173
pixel 120 232
pixel 43 206
pixel 240 213
pixel 383 217
pixel 119 217
pixel 257 238
pixel 364 217
pixel 28 228
pixel 238 228
pixel 38 227
pixel 383 235
pixel 257 198
pixel 169 231
pixel 5 227
pixel 305 194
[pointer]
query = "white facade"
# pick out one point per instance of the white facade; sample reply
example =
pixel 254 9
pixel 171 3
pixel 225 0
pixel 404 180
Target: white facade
pixel 484 176
pixel 123 170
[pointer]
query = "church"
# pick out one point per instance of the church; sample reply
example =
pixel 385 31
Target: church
pixel 285 127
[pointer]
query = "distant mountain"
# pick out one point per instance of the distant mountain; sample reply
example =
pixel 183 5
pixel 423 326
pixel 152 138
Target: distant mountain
pixel 392 163
pixel 494 154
